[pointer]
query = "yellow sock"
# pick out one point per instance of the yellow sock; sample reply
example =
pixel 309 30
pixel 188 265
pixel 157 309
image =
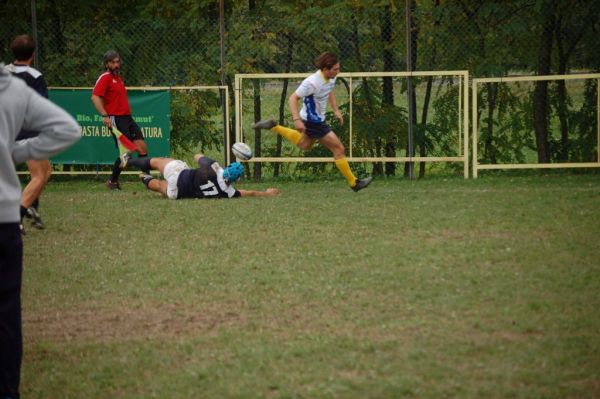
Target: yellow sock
pixel 290 134
pixel 344 167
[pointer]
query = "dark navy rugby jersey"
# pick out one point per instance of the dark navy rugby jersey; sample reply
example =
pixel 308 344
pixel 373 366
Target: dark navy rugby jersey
pixel 36 81
pixel 206 181
pixel 31 76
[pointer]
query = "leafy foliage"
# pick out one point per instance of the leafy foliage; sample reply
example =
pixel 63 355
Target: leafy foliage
pixel 178 43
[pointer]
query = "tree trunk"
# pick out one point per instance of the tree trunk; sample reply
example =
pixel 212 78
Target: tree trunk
pixel 540 95
pixel 257 133
pixel 279 142
pixel 422 147
pixel 233 131
pixel 489 152
pixel 412 106
pixel 561 93
pixel 257 112
pixel 424 114
pixel 388 83
pixel 283 101
pixel 377 167
pixel 564 53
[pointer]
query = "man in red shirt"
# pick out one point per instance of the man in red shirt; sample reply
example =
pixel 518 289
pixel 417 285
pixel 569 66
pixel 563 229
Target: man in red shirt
pixel 110 99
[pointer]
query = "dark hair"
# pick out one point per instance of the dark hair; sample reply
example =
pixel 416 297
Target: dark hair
pixel 109 56
pixel 22 47
pixel 326 60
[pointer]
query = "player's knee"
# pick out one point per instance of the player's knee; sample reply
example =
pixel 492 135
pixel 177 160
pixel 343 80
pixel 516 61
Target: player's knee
pixel 304 145
pixel 141 148
pixel 338 150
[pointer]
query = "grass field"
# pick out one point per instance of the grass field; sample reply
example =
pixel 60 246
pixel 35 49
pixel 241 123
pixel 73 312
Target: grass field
pixel 441 288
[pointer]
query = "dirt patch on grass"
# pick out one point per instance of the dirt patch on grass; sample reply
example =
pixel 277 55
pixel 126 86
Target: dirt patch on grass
pixel 286 319
pixel 434 237
pixel 584 387
pixel 164 321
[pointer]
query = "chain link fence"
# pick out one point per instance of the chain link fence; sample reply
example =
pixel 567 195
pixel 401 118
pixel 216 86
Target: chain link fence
pixel 179 42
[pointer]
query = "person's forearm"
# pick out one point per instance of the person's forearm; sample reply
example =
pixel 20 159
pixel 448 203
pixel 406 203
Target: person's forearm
pixel 270 192
pixel 333 102
pixel 252 193
pixel 99 104
pixel 293 102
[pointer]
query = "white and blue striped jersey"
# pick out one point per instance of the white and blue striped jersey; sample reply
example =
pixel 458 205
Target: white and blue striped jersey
pixel 315 91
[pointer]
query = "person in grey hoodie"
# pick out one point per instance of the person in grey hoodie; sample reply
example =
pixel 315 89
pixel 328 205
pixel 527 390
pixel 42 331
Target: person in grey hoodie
pixel 20 108
pixel 23 49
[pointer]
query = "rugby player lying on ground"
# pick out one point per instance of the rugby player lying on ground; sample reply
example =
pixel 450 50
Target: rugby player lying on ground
pixel 208 180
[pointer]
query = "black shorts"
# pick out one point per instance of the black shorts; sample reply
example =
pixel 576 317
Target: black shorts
pixel 128 127
pixel 316 130
pixel 27 134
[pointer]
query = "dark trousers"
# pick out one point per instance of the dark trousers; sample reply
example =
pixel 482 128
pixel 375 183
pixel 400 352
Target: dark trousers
pixel 11 340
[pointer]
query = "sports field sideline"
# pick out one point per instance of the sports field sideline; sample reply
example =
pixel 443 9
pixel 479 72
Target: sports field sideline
pixel 435 288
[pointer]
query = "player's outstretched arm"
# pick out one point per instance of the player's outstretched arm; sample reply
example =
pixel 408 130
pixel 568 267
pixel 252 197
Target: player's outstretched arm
pixel 269 192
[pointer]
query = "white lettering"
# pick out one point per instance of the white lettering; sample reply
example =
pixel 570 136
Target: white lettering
pixel 152 132
pixel 90 131
pixel 209 189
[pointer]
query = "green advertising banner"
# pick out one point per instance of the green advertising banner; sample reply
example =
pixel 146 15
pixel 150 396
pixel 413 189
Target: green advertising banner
pixel 150 109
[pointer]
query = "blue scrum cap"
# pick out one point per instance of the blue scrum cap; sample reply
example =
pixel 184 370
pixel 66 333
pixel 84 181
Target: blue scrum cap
pixel 233 172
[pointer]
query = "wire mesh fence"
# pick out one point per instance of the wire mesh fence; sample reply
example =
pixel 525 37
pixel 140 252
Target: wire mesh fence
pixel 179 42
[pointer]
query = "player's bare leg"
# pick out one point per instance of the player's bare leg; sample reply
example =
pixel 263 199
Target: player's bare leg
pixel 40 171
pixel 306 142
pixel 333 144
pixel 160 163
pixel 146 164
pixel 153 184
pixel 141 148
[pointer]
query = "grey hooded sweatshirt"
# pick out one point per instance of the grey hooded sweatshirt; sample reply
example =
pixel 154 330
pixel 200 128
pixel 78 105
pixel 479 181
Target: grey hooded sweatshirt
pixel 23 108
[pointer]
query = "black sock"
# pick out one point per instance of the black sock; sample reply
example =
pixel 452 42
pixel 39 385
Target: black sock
pixel 116 170
pixel 142 163
pixel 146 167
pixel 147 180
pixel 23 212
pixel 36 203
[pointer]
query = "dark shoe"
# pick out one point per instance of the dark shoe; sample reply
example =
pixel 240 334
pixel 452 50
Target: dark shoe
pixel 264 124
pixel 362 183
pixel 146 178
pixel 125 157
pixel 36 219
pixel 113 185
pixel 22 228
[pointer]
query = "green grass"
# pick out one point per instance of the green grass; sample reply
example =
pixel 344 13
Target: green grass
pixel 441 288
